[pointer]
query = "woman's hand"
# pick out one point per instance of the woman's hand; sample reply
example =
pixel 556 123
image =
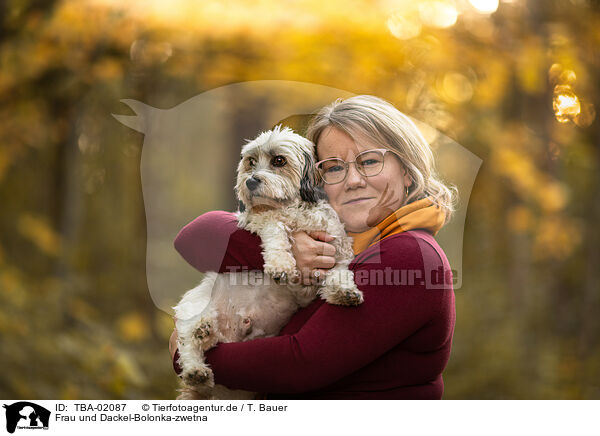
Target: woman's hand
pixel 312 253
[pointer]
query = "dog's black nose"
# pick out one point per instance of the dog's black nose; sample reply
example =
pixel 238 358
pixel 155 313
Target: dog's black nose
pixel 252 183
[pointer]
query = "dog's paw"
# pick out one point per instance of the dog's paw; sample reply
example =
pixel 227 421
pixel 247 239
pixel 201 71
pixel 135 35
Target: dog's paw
pixel 202 331
pixel 284 277
pixel 345 297
pixel 271 270
pixel 281 273
pixel 339 288
pixel 280 277
pixel 200 376
pixel 352 298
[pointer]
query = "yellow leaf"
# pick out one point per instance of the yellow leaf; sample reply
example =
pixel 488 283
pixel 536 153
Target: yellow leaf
pixel 133 327
pixel 38 231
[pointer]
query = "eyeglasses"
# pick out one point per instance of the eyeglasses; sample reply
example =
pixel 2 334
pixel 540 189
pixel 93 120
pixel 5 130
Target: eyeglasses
pixel 368 163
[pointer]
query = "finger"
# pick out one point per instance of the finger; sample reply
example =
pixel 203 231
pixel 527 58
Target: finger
pixel 324 262
pixel 325 249
pixel 308 280
pixel 298 234
pixel 321 236
pixel 317 276
pixel 305 276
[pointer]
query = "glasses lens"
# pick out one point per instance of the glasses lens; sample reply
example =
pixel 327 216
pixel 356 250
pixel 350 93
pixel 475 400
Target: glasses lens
pixel 332 170
pixel 370 163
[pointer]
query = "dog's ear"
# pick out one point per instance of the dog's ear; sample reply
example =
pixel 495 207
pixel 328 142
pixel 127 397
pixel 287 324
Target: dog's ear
pixel 309 190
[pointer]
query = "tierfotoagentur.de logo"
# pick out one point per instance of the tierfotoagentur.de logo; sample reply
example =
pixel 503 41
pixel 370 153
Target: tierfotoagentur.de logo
pixel 26 416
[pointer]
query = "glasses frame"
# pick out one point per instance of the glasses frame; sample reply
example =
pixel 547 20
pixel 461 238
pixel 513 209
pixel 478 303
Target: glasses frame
pixel 347 164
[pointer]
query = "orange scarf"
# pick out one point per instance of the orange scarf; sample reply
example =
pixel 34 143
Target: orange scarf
pixel 420 214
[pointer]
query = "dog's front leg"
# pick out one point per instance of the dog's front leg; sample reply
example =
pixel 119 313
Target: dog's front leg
pixel 277 251
pixel 339 287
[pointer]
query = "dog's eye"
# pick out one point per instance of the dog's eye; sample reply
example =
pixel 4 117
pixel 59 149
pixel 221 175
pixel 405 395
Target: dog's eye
pixel 251 161
pixel 278 161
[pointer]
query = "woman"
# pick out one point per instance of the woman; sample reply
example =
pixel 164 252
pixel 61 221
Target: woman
pixel 378 173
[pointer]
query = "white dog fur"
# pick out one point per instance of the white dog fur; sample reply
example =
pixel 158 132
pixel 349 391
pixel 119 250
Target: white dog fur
pixel 277 189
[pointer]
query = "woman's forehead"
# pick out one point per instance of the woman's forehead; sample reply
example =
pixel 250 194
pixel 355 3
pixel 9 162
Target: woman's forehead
pixel 334 142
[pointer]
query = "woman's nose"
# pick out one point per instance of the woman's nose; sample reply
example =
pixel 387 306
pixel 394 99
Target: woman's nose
pixel 354 178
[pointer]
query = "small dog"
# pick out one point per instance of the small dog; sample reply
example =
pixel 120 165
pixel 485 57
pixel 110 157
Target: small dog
pixel 278 194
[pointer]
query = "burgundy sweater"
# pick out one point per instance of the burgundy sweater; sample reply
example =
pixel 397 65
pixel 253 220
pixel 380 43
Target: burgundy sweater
pixel 393 346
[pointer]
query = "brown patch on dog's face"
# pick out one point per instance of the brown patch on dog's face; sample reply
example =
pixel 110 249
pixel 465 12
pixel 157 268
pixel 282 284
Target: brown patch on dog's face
pixel 248 163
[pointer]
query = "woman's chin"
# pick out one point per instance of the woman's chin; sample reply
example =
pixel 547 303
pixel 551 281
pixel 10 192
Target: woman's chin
pixel 356 226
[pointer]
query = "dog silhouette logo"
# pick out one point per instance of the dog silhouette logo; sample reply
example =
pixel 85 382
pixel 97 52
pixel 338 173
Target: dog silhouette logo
pixel 26 415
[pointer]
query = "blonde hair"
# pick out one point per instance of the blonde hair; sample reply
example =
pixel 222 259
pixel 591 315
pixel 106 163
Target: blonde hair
pixel 389 128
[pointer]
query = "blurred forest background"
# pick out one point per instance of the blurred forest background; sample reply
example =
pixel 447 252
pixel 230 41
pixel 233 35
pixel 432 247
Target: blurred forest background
pixel 515 82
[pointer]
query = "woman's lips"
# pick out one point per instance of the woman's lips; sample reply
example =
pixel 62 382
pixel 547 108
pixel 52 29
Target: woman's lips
pixel 358 200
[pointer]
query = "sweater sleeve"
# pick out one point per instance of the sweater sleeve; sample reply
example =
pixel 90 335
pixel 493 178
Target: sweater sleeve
pixel 214 242
pixel 336 341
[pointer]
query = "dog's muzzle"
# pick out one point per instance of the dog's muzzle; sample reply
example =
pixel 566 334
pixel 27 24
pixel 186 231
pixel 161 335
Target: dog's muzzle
pixel 252 183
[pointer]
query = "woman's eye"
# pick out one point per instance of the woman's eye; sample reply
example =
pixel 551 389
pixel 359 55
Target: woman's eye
pixel 334 169
pixel 368 162
pixel 278 161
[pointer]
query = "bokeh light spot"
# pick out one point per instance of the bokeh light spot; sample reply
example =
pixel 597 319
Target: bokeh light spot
pixel 440 14
pixel 485 6
pixel 457 88
pixel 565 104
pixel 402 26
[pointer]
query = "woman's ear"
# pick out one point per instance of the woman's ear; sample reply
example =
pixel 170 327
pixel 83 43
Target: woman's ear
pixel 309 191
pixel 407 179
